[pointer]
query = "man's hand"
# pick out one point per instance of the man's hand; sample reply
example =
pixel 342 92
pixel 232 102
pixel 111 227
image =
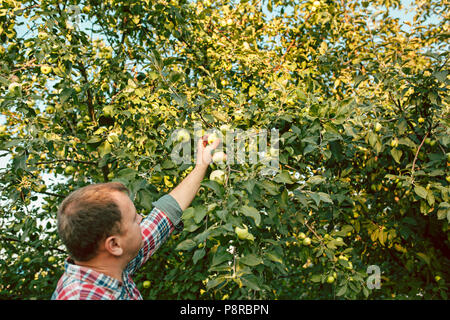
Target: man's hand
pixel 204 151
pixel 185 192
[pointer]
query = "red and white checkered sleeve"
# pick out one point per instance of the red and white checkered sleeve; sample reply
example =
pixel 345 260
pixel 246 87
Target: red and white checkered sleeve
pixel 156 228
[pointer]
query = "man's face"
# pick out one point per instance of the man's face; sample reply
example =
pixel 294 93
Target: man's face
pixel 131 236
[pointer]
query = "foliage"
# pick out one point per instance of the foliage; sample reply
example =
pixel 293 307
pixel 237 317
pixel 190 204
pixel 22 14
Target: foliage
pixel 360 101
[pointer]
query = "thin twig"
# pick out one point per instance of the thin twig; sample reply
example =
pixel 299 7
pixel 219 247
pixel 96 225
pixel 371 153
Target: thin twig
pixel 415 158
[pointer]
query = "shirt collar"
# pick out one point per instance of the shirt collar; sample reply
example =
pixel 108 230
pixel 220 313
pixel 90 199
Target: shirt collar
pixel 85 274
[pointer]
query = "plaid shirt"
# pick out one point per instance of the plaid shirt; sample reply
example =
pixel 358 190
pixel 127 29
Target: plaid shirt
pixel 82 283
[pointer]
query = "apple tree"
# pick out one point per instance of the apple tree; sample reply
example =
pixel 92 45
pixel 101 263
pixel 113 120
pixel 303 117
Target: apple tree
pixel 354 103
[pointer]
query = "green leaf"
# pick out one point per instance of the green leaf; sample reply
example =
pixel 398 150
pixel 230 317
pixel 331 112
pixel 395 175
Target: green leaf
pixel 407 142
pixel 127 174
pixel 396 154
pixel 215 186
pixel 94 139
pixel 424 257
pixel 273 257
pixel 373 138
pixel 430 198
pixel 167 164
pixel 270 187
pixel 215 282
pixel 186 245
pixel 198 254
pixel 145 199
pixel 316 180
pixel 252 212
pixel 283 177
pixel 441 75
pixel 104 149
pixel 251 260
pixel 188 213
pixel 251 281
pixel 65 94
pixel 315 196
pixel 249 185
pixel 342 291
pixel 421 191
pixel 200 213
pixel 219 257
pixel 325 197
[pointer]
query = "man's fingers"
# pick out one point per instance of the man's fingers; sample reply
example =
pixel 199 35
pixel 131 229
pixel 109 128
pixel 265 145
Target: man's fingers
pixel 215 143
pixel 203 142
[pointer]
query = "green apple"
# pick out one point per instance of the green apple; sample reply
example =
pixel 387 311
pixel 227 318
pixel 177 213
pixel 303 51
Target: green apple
pixel 15 88
pixel 301 236
pixel 69 170
pixel 50 109
pixel 219 157
pixel 183 136
pixel 330 279
pixel 218 176
pixel 42 35
pixel 46 69
pixel 307 241
pixel 51 259
pixel 86 9
pixel 378 126
pixel 447 178
pixel 27 260
pixel 146 284
pixel 437 278
pixel 238 115
pixel 41 188
pixel 394 143
pixel 243 233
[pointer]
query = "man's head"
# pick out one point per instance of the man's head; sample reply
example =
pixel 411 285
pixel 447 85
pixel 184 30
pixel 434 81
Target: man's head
pixel 100 218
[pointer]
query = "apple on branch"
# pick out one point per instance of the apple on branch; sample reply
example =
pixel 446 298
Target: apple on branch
pixel 218 176
pixel 219 157
pixel 182 136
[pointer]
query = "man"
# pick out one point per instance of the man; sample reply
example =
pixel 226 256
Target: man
pixel 108 241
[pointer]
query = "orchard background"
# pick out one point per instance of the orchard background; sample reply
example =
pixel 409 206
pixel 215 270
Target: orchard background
pixel 91 91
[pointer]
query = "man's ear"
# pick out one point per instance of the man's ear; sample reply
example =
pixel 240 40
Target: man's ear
pixel 112 245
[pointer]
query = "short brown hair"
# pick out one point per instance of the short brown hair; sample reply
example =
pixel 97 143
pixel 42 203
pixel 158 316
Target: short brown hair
pixel 87 216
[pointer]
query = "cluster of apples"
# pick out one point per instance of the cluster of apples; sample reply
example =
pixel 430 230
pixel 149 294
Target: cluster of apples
pixel 218 157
